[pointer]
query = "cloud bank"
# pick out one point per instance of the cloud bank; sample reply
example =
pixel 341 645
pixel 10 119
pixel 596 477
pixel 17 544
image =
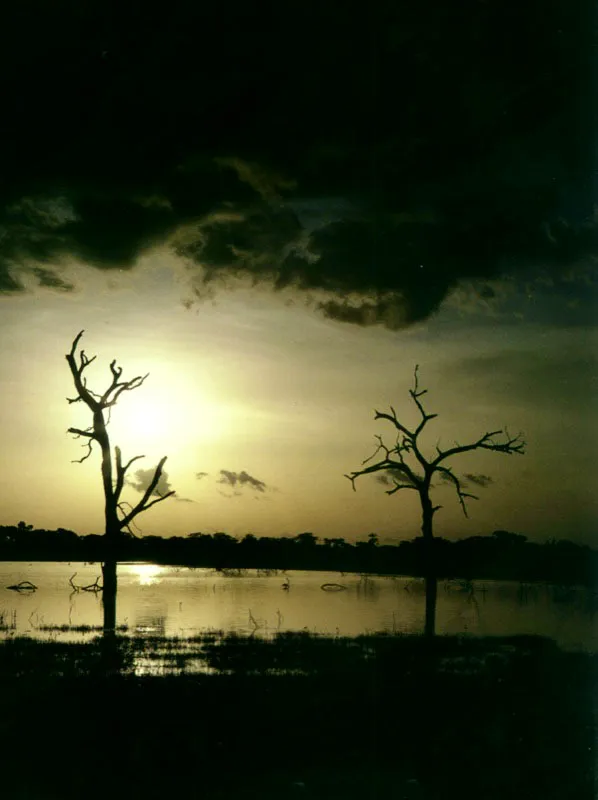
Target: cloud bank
pixel 368 162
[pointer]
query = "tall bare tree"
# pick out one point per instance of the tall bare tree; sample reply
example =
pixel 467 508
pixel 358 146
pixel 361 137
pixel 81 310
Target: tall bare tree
pixel 405 466
pixel 118 515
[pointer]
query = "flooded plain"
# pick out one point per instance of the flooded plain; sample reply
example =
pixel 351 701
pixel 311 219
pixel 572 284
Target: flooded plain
pixel 184 602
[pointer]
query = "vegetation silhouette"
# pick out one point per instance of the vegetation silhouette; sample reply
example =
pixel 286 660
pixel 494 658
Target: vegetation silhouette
pixel 118 515
pixel 370 716
pixel 503 555
pixel 405 466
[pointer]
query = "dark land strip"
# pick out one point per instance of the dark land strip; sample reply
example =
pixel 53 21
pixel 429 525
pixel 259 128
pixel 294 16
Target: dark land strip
pixel 377 716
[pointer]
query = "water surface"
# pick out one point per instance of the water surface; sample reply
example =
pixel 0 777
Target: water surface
pixel 184 602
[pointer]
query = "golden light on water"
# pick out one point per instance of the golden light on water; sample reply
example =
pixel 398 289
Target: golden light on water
pixel 146 573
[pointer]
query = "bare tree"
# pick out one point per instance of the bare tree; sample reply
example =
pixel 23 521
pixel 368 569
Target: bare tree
pixel 405 466
pixel 118 515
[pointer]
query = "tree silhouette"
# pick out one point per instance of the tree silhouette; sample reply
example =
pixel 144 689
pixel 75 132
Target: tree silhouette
pixel 118 515
pixel 405 466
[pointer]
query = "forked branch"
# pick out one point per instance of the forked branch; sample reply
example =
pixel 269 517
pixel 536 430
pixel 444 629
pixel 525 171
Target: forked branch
pixel 509 445
pixel 121 471
pixel 389 464
pixel 117 387
pixel 416 393
pixel 94 400
pixel 77 370
pixel 145 502
pixel 462 496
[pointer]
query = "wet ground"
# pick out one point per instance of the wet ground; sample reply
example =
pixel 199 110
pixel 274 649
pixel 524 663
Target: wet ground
pixel 300 716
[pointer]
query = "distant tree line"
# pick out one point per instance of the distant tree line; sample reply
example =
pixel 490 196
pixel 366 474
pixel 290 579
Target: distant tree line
pixel 503 555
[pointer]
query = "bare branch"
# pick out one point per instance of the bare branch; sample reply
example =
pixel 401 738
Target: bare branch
pixel 77 373
pixel 121 507
pixel 117 387
pixel 78 432
pixel 386 464
pixel 393 418
pixel 126 386
pixel 409 442
pixel 76 341
pixel 398 450
pixel 116 371
pixel 86 456
pixel 463 496
pixel 381 446
pixel 85 360
pixel 93 399
pixel 415 394
pixel 398 486
pixel 512 444
pixel 158 500
pixel 131 461
pixel 121 471
pixel 143 504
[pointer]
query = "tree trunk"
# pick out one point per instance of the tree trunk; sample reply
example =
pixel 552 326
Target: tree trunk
pixel 109 576
pixel 111 521
pixel 430 572
pixel 431 595
pixel 109 595
pixel 110 647
pixel 427 516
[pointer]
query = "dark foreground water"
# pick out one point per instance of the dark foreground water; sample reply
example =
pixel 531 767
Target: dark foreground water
pixel 300 716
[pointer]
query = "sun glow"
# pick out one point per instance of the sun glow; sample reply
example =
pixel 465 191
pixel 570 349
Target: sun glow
pixel 147 422
pixel 165 420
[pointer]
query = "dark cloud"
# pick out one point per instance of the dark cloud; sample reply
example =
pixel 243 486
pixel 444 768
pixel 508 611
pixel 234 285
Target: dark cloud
pixel 391 312
pixel 444 478
pixel 559 299
pixel 143 479
pixel 51 280
pixel 378 158
pixel 390 476
pixel 241 479
pixel 200 475
pixel 478 480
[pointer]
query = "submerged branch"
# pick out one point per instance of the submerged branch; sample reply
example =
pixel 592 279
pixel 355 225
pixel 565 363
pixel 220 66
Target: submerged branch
pixel 92 587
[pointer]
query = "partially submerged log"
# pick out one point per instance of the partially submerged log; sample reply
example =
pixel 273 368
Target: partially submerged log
pixel 23 586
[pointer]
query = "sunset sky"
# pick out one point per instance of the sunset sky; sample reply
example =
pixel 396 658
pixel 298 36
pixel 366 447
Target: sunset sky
pixel 278 215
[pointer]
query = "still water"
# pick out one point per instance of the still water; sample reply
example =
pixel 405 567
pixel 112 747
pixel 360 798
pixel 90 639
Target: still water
pixel 184 602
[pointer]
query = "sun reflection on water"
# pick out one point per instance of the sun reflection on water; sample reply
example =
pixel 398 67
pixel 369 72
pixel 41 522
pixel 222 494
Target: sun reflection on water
pixel 146 573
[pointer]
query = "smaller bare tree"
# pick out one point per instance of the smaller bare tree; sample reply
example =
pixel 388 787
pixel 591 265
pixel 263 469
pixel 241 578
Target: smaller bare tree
pixel 405 466
pixel 119 516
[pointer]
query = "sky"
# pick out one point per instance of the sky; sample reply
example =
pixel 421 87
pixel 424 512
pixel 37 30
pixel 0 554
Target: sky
pixel 277 213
